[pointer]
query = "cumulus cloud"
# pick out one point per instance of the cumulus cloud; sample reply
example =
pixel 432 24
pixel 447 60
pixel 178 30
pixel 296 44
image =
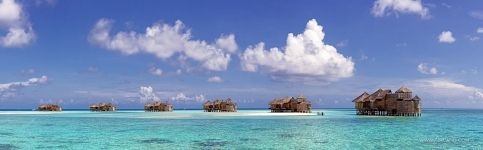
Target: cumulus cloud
pixel 156 71
pixel 147 93
pixel 165 40
pixel 183 97
pixel 8 89
pixel 424 68
pixel 446 37
pixel 448 88
pixel 14 22
pixel 215 79
pixel 305 56
pixel 387 7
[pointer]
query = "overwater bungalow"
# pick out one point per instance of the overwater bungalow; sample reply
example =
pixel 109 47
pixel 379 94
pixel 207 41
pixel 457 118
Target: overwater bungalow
pixel 220 106
pixel 385 103
pixel 49 107
pixel 291 104
pixel 158 106
pixel 103 107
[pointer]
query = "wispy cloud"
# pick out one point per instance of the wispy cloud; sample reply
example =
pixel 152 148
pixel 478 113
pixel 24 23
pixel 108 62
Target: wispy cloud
pixel 28 71
pixel 215 79
pixel 424 68
pixel 448 88
pixel 479 30
pixel 9 89
pixel 156 71
pixel 181 97
pixel 476 14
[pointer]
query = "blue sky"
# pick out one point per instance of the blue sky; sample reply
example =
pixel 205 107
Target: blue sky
pixel 130 52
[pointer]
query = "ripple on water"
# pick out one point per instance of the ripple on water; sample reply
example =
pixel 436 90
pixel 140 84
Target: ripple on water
pixel 321 142
pixel 210 143
pixel 8 147
pixel 156 141
pixel 260 129
pixel 52 147
pixel 6 134
pixel 248 139
pixel 47 125
pixel 288 135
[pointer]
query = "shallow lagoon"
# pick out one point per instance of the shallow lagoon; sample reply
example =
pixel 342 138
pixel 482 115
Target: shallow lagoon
pixel 246 129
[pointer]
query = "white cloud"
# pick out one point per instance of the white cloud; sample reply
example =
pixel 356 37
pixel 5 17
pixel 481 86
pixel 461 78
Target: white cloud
pixel 178 72
pixel 215 79
pixel 426 69
pixel 156 71
pixel 28 71
pixel 147 93
pixel 180 97
pixel 342 43
pixel 479 30
pixel 14 21
pixel 200 98
pixel 446 37
pixel 446 5
pixel 183 97
pixel 387 7
pixel 469 71
pixel 305 56
pixel 163 41
pixel 473 38
pixel 363 57
pixel 228 43
pixel 45 2
pixel 8 89
pixel 448 88
pixel 92 69
pixel 476 14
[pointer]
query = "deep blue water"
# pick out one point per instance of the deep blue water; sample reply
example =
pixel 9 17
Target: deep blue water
pixel 246 129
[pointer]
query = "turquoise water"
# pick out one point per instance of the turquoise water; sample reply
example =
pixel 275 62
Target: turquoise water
pixel 246 129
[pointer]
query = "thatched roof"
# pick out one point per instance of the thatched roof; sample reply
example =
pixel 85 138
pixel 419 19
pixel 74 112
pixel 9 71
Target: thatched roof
pixel 404 90
pixel 301 99
pixel 286 99
pixel 229 101
pixel 416 98
pixel 379 94
pixel 361 97
pixel 156 104
pixel 102 105
pixel 282 100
